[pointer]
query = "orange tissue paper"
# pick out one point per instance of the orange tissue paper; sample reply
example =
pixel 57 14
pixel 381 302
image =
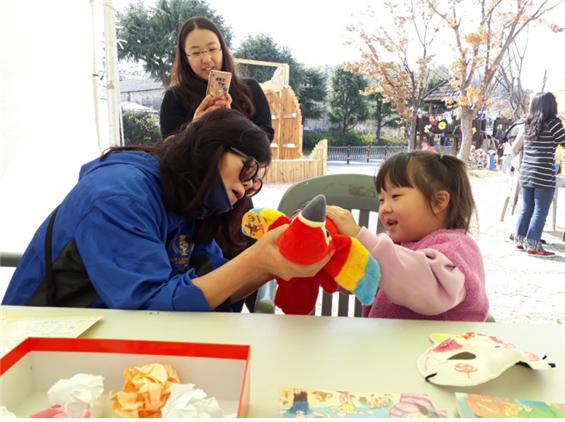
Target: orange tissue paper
pixel 145 391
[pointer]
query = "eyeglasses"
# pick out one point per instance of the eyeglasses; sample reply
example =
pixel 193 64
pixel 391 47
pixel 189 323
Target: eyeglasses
pixel 250 173
pixel 212 51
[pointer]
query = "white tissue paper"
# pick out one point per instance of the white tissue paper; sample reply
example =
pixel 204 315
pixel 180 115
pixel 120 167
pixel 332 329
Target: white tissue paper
pixel 80 393
pixel 6 414
pixel 186 401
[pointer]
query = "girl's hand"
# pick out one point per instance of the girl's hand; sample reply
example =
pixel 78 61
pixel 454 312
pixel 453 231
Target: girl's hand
pixel 210 103
pixel 343 220
pixel 270 260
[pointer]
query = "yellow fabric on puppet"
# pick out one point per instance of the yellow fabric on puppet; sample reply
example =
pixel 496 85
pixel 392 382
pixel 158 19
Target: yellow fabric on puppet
pixel 308 238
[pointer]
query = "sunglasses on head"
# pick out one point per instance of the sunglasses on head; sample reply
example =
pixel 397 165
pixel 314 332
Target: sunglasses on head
pixel 250 173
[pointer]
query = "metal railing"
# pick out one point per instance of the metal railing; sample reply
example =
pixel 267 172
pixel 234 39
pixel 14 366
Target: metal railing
pixel 363 153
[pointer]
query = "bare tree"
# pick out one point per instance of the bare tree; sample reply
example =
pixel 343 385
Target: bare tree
pixel 386 59
pixel 483 32
pixel 509 79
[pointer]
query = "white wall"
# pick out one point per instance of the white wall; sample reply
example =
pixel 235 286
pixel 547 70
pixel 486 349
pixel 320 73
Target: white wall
pixel 47 114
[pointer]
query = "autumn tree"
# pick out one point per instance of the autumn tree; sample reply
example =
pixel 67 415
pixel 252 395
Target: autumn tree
pixel 398 60
pixel 483 32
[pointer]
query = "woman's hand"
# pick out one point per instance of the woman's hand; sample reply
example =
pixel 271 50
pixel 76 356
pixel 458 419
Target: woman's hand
pixel 270 260
pixel 343 220
pixel 210 103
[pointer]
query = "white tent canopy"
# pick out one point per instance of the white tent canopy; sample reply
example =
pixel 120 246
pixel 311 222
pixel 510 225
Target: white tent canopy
pixel 47 110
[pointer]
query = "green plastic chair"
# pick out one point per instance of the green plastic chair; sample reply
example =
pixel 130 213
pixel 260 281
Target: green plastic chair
pixel 9 259
pixel 350 191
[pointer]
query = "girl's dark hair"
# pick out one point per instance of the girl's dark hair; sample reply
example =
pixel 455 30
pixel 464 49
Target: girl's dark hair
pixel 542 109
pixel 188 164
pixel 189 87
pixel 430 172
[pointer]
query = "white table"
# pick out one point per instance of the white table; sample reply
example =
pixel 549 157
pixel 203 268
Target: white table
pixel 354 354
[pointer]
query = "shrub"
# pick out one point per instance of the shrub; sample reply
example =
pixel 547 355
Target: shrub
pixel 141 127
pixel 393 140
pixel 310 139
pixel 347 138
pixel 368 139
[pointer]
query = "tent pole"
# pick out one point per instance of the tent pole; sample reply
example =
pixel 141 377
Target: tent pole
pixel 112 76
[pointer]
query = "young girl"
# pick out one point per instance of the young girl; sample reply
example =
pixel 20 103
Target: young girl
pixel 431 268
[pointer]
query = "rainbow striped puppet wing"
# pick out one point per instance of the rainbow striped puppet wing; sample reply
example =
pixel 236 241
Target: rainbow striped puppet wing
pixel 354 268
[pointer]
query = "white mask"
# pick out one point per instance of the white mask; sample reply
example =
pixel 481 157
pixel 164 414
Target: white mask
pixel 472 358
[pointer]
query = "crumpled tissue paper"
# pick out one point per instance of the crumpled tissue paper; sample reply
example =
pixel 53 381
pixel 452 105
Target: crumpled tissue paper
pixel 186 401
pixel 78 395
pixel 145 391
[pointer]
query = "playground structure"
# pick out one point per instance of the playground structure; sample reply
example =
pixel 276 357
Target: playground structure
pixel 440 125
pixel 289 164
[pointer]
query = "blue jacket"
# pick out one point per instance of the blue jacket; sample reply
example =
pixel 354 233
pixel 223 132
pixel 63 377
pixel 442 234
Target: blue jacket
pixel 117 244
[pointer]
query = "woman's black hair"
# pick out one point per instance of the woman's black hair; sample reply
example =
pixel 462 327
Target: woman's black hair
pixel 543 108
pixel 430 173
pixel 189 160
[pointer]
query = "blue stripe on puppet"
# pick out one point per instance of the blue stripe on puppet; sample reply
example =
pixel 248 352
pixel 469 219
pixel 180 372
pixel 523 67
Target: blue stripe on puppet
pixel 367 286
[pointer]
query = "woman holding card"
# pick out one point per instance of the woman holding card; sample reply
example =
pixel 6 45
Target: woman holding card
pixel 201 49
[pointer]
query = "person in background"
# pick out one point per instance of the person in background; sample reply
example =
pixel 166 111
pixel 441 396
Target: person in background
pixel 431 268
pixel 137 230
pixel 543 131
pixel 200 49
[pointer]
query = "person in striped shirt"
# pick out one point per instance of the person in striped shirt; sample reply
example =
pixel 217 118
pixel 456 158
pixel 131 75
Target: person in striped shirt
pixel 543 131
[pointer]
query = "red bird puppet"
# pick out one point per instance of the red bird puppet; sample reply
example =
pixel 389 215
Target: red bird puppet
pixel 308 238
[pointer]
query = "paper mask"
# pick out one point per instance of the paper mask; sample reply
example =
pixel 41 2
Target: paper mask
pixel 472 358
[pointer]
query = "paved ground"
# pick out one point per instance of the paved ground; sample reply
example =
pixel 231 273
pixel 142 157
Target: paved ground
pixel 521 288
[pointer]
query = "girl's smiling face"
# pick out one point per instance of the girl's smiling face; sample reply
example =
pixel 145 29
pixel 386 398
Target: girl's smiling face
pixel 406 214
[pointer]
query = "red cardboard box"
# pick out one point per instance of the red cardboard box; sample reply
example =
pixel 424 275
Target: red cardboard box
pixel 30 369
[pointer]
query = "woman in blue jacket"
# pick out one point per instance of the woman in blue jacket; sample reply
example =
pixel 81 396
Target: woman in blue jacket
pixel 137 230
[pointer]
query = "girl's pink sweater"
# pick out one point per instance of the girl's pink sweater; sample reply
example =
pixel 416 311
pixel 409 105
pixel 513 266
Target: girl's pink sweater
pixel 439 277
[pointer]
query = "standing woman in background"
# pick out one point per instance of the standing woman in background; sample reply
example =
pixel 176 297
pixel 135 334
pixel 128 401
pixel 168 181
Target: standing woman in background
pixel 200 49
pixel 542 133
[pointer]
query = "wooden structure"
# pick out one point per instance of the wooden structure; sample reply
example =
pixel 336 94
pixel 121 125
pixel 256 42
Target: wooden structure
pixel 440 123
pixel 288 165
pixel 291 171
pixel 285 111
